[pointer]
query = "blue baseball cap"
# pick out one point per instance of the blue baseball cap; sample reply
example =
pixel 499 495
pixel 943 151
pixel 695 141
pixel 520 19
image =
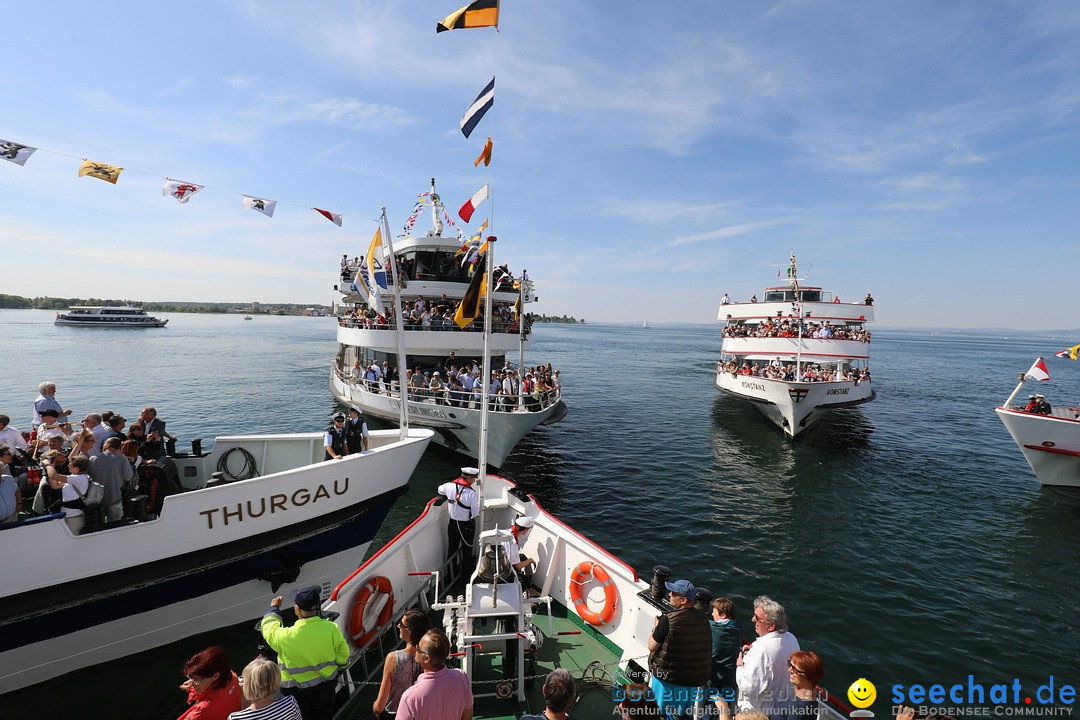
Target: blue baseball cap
pixel 309 598
pixel 681 587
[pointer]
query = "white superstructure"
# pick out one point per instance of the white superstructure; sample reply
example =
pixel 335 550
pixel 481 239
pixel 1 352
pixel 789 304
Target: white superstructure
pixel 796 353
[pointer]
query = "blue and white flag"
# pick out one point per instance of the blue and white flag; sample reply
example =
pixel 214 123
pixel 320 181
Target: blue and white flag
pixel 480 105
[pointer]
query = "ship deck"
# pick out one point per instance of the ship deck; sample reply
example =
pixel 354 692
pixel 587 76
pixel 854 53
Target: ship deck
pixel 575 646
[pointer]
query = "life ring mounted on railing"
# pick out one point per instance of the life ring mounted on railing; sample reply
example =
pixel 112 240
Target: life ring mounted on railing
pixel 581 575
pixel 377 586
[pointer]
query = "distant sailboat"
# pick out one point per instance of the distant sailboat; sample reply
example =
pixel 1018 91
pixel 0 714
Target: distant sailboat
pixel 645 325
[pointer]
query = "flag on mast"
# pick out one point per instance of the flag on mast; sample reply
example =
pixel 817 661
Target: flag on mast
pixel 482 13
pixel 480 105
pixel 1038 371
pixel 1072 353
pixel 469 307
pixel 467 210
pixel 371 274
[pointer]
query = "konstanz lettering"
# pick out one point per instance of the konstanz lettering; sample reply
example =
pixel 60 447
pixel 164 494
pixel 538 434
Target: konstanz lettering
pixel 278 502
pixel 837 391
pixel 753 386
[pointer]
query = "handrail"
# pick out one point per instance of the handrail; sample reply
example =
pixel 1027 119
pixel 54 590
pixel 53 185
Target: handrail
pixel 546 399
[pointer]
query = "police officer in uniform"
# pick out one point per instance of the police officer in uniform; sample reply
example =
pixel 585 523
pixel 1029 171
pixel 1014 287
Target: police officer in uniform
pixel 464 503
pixel 334 440
pixel 356 432
pixel 311 653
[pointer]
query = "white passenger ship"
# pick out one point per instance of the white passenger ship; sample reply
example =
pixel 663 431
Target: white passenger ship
pixel 796 354
pixel 124 316
pixel 433 270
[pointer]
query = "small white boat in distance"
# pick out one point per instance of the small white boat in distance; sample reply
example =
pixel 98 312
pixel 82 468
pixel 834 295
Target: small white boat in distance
pixel 122 316
pixel 797 354
pixel 1048 436
pixel 645 325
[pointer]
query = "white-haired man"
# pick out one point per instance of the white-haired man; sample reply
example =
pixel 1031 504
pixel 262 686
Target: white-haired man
pixel 761 671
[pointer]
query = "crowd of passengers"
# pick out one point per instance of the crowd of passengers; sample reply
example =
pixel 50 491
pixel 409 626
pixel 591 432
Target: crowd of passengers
pixel 52 464
pixel 789 327
pixel 456 383
pixel 430 314
pixel 777 370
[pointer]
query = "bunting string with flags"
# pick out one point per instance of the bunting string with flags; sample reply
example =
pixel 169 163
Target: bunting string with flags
pixel 1072 353
pixel 14 152
pixel 482 13
pixel 331 216
pixel 471 249
pixel 180 190
pixel 266 207
pixel 478 108
pixel 19 153
pixel 101 171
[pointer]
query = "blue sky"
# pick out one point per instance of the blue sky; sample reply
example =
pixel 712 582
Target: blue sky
pixel 648 157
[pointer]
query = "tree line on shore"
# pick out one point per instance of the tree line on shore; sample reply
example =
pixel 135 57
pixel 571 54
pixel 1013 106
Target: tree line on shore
pixel 51 303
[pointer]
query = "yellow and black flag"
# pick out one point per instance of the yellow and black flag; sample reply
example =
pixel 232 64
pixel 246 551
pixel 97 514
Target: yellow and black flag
pixel 482 13
pixel 469 307
pixel 108 173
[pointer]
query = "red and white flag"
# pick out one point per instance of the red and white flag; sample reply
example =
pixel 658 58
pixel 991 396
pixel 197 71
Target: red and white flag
pixel 1038 371
pixel 469 207
pixel 180 190
pixel 331 216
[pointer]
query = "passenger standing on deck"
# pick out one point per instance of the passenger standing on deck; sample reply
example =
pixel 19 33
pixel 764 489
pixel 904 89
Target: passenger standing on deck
pixel 113 471
pixel 311 653
pixel 262 679
pixel 334 440
pixel 559 692
pixel 680 652
pixel 464 506
pixel 440 693
pixel 356 432
pixel 401 667
pixel 761 671
pixel 154 430
pixel 45 401
pixel 727 638
pixel 73 488
pixel 212 687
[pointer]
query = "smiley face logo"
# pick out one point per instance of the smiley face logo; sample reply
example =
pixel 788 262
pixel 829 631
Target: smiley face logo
pixel 862 693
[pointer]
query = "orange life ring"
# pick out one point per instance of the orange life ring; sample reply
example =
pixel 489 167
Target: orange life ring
pixel 372 588
pixel 611 598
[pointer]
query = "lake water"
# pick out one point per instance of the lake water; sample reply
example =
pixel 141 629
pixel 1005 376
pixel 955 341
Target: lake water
pixel 907 538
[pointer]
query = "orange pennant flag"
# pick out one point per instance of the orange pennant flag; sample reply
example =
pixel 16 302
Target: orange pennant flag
pixel 485 156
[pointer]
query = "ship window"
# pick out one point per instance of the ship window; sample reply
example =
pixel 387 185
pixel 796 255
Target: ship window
pixel 437 265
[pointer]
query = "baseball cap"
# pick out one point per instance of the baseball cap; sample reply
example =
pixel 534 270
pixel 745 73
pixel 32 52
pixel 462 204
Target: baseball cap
pixel 308 598
pixel 681 587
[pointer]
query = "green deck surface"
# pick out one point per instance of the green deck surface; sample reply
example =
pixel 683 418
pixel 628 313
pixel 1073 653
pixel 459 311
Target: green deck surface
pixel 589 656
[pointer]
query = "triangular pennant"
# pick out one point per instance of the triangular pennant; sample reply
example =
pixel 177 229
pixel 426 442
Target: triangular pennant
pixel 331 216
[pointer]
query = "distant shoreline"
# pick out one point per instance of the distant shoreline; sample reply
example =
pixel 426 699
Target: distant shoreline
pixel 16 302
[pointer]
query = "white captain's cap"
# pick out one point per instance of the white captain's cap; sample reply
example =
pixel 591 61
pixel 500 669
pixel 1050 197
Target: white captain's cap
pixel 470 471
pixel 524 522
pixel 353 407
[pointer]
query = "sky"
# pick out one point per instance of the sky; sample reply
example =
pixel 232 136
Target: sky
pixel 648 157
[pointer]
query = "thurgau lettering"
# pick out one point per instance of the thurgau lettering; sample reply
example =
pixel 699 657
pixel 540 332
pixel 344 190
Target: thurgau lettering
pixel 278 502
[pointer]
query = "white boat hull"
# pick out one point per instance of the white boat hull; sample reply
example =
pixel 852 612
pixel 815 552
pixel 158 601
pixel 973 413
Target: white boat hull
pixel 457 429
pixel 1050 443
pixel 213 558
pixel 795 406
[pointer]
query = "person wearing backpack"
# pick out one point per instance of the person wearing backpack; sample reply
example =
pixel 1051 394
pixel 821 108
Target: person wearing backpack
pixel 73 490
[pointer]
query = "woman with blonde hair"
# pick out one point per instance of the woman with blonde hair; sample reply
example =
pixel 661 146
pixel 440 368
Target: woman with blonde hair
pixel 262 679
